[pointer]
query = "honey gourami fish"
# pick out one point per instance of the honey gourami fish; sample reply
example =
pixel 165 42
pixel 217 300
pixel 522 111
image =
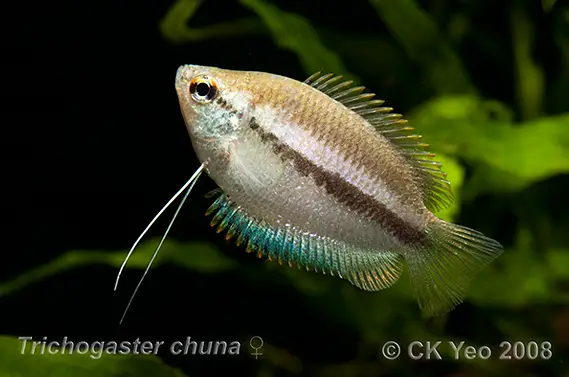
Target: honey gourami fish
pixel 319 174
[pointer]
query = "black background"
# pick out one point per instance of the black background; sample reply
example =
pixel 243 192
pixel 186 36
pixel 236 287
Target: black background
pixel 92 144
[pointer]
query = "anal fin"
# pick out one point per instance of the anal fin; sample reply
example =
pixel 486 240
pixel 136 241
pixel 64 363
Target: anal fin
pixel 374 272
pixel 366 269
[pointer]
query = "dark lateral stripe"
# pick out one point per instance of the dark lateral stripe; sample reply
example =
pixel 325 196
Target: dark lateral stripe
pixel 345 192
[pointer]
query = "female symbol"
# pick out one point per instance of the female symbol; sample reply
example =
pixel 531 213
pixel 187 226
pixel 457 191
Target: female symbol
pixel 259 340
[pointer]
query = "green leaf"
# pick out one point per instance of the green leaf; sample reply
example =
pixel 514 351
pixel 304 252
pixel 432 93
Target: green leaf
pixel 548 5
pixel 530 78
pixel 382 62
pixel 198 256
pixel 174 26
pixel 455 175
pixel 418 34
pixel 559 87
pixel 14 363
pixel 296 34
pixel 558 264
pixel 481 132
pixel 522 279
pixel 518 281
pixel 368 54
pixel 522 276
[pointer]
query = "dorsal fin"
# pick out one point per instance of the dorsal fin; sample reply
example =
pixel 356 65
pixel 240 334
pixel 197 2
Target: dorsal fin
pixel 436 189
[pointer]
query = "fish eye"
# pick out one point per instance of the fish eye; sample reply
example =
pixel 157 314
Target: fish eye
pixel 203 89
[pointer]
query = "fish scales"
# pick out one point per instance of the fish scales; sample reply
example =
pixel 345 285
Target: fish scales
pixel 280 108
pixel 299 196
pixel 339 196
pixel 367 159
pixel 305 179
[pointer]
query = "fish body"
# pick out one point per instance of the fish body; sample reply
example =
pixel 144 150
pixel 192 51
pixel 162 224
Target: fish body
pixel 318 174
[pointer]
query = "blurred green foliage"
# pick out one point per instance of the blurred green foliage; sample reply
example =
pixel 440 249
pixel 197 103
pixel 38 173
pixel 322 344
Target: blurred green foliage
pixel 506 149
pixel 204 258
pixel 89 364
pixel 423 42
pixel 512 155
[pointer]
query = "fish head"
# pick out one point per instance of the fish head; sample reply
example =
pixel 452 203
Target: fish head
pixel 213 104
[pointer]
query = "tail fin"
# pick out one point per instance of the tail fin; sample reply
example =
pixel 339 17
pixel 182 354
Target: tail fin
pixel 440 273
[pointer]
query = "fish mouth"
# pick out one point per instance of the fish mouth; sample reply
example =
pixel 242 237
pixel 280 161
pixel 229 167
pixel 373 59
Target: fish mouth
pixel 188 113
pixel 184 75
pixel 179 73
pixel 181 77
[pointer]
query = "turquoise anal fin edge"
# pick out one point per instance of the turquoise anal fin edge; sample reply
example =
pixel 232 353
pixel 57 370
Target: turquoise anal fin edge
pixel 367 270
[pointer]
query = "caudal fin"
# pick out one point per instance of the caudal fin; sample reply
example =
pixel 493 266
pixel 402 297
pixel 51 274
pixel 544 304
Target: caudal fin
pixel 441 272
